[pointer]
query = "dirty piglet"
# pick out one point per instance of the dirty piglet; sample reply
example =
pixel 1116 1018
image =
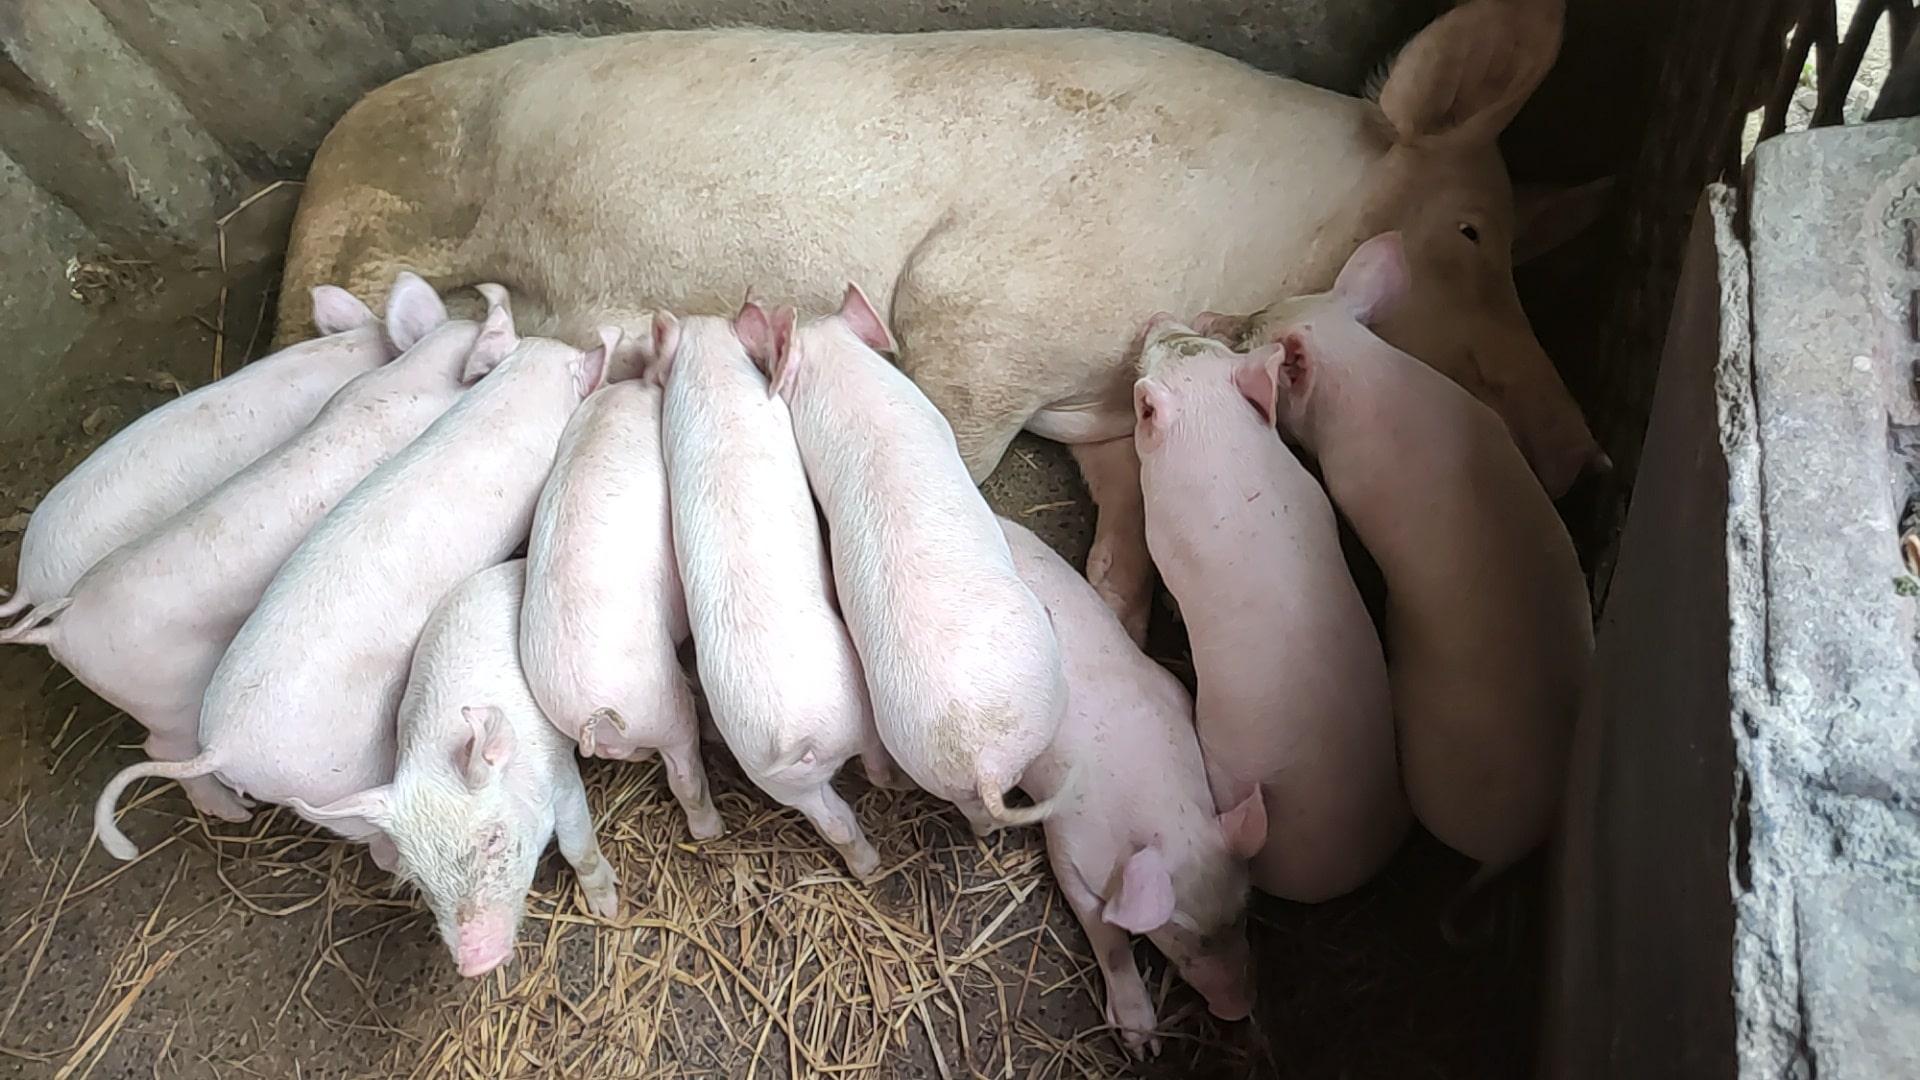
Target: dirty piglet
pixel 605 612
pixel 960 658
pixel 1292 695
pixel 1136 844
pixel 482 781
pixel 147 625
pixel 189 446
pixel 774 660
pixel 1488 622
pixel 302 705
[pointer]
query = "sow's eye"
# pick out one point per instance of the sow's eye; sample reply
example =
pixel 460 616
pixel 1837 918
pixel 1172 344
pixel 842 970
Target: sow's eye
pixel 1472 234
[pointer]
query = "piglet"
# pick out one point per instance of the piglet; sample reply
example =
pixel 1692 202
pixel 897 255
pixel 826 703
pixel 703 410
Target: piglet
pixel 961 663
pixel 146 627
pixel 302 705
pixel 1292 695
pixel 1135 842
pixel 605 612
pixel 482 781
pixel 1488 622
pixel 189 446
pixel 780 675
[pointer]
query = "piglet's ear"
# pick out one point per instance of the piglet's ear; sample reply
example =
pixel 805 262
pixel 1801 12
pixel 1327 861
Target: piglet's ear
pixel 495 295
pixel 490 745
pixel 1245 826
pixel 590 371
pixel 866 323
pixel 374 805
pixel 413 310
pixel 1258 378
pixel 785 362
pixel 1227 329
pixel 657 348
pixel 1375 278
pixel 336 311
pixel 1145 900
pixel 1150 408
pixel 755 332
pixel 496 340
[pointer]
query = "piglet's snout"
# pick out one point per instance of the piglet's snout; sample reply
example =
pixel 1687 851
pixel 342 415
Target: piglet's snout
pixel 1226 986
pixel 482 943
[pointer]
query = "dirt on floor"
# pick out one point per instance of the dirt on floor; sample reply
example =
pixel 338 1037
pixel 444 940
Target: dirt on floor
pixel 266 950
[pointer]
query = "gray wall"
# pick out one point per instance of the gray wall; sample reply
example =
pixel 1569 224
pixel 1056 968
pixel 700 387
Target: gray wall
pixel 152 116
pixel 150 119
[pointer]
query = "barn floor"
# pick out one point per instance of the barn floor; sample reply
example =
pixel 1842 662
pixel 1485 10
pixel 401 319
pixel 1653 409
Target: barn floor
pixel 259 951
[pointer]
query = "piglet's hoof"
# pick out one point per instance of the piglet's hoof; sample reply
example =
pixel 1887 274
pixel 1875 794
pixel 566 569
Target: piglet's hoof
pixel 706 825
pixel 601 887
pixel 215 801
pixel 1136 1031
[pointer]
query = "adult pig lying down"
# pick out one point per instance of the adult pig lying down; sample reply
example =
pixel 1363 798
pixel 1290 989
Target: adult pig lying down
pixel 1018 198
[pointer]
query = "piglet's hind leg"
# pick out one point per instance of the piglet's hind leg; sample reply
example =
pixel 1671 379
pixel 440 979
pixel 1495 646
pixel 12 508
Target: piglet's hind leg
pixel 166 742
pixel 573 829
pixel 687 776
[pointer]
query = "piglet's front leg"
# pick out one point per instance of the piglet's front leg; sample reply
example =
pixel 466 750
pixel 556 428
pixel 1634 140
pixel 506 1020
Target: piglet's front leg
pixel 573 829
pixel 1129 1006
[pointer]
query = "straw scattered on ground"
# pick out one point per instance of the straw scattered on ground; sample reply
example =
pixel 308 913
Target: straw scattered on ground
pixel 756 955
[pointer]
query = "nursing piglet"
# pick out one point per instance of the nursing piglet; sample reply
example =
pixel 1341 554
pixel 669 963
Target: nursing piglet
pixel 146 627
pixel 189 446
pixel 1292 694
pixel 1488 621
pixel 482 781
pixel 961 662
pixel 780 676
pixel 605 613
pixel 302 705
pixel 1135 842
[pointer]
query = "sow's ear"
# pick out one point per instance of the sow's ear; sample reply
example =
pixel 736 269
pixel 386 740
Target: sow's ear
pixel 1145 900
pixel 1470 70
pixel 374 805
pixel 1546 216
pixel 336 311
pixel 490 745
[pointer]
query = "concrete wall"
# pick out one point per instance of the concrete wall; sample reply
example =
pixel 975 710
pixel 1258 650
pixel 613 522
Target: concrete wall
pixel 1826 680
pixel 39 317
pixel 152 117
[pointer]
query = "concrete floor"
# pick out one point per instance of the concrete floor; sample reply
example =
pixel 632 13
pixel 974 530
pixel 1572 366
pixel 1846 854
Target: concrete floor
pixel 257 950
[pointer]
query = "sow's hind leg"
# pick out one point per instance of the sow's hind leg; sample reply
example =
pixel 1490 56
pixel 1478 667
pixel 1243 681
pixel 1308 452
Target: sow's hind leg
pixel 961 342
pixel 989 367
